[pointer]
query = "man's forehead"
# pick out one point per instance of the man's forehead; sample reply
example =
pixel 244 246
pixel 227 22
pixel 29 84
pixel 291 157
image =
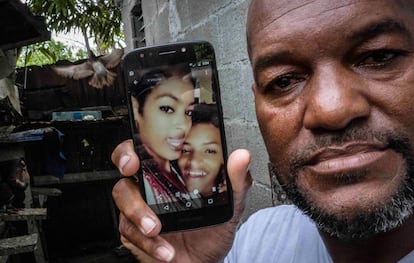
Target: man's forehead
pixel 270 15
pixel 282 17
pixel 267 11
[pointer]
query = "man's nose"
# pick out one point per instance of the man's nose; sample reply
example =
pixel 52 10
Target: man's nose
pixel 335 98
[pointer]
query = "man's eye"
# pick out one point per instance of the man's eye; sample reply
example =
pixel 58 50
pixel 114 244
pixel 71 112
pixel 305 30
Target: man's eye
pixel 379 58
pixel 283 83
pixel 166 109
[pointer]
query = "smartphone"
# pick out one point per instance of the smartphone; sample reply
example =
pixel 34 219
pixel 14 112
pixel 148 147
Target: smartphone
pixel 177 127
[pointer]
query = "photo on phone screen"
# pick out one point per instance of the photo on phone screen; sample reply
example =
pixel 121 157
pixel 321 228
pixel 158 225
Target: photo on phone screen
pixel 177 126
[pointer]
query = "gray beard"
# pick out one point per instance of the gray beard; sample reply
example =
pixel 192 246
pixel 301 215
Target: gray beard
pixel 382 219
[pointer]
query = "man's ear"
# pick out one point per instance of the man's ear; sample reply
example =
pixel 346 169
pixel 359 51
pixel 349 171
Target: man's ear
pixel 254 89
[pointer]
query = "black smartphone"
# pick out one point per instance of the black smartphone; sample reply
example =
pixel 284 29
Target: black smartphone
pixel 177 128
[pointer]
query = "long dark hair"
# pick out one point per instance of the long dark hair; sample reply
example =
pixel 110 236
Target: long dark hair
pixel 142 88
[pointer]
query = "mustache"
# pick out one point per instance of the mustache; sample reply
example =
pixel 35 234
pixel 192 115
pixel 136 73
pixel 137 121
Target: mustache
pixel 389 138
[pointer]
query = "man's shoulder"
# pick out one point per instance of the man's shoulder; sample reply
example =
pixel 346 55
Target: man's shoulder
pixel 277 213
pixel 281 218
pixel 278 232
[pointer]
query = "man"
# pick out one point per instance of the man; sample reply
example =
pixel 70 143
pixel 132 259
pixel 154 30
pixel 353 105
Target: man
pixel 334 87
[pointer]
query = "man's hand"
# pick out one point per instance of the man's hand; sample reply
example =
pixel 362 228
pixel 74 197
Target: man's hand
pixel 140 227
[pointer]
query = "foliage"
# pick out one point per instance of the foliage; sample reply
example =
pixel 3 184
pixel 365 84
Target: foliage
pixel 100 19
pixel 48 52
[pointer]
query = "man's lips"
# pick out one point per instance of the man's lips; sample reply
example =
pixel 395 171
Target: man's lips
pixel 353 171
pixel 351 157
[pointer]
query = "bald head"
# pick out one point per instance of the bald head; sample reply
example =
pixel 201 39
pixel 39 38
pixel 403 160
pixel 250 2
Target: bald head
pixel 263 14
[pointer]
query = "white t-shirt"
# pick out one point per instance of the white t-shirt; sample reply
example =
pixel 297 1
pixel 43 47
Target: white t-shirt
pixel 281 234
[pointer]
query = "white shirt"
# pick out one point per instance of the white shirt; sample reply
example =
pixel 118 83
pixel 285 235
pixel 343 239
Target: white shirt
pixel 281 234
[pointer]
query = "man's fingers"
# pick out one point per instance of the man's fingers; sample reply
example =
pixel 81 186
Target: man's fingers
pixel 128 199
pixel 136 251
pixel 125 159
pixel 138 225
pixel 145 248
pixel 238 165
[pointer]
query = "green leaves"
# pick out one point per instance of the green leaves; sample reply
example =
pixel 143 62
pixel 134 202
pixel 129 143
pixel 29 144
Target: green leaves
pixel 48 52
pixel 98 18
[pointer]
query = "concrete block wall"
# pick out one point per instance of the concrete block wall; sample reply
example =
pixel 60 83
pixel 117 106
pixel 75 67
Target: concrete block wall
pixel 222 23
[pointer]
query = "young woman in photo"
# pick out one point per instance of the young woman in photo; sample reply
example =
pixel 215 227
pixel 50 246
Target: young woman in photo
pixel 163 102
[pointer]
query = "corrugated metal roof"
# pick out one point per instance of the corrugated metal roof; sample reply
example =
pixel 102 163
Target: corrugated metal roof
pixel 19 27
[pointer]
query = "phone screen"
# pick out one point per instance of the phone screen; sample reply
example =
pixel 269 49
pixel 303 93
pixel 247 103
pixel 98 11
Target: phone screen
pixel 178 131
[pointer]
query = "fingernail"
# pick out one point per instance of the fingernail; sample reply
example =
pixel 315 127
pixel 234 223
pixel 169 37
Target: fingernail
pixel 147 225
pixel 123 161
pixel 165 254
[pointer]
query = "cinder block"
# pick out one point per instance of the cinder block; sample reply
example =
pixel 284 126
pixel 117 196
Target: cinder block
pixel 160 30
pixel 236 92
pixel 199 10
pixel 206 31
pixel 232 31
